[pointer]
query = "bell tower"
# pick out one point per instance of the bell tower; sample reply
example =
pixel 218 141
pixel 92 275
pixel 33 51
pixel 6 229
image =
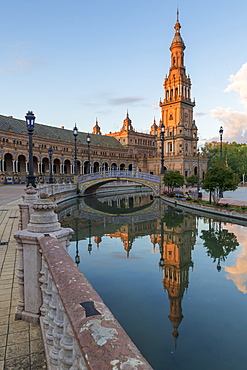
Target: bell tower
pixel 180 139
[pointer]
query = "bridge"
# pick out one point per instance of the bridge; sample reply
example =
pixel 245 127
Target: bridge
pixel 88 184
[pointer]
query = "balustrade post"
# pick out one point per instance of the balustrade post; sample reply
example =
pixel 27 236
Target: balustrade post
pixel 65 357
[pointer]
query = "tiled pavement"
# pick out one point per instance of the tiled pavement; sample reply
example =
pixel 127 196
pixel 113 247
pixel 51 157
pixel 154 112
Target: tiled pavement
pixel 21 346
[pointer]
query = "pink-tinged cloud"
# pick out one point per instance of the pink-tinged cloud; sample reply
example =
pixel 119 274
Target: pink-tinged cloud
pixel 125 100
pixel 233 121
pixel 238 272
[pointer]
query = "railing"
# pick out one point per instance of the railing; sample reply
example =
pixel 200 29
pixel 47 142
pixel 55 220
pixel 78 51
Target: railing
pixel 79 331
pixel 53 189
pixel 119 174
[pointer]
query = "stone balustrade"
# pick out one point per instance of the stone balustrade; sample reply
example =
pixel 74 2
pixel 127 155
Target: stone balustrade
pixel 79 331
pixel 58 192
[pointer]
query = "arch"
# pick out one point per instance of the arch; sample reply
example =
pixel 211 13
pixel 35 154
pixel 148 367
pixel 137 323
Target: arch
pixel 45 165
pixel 35 165
pixel 56 166
pixel 195 170
pixel 67 166
pixel 86 171
pixel 8 158
pixel 114 166
pixel 21 163
pixel 122 166
pixel 78 165
pixel 130 167
pixel 96 167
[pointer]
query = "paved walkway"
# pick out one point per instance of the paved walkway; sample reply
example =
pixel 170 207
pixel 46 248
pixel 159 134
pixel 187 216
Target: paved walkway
pixel 21 345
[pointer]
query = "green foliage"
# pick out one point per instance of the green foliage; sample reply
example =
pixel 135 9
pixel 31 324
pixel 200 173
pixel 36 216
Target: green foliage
pixel 219 243
pixel 173 179
pixel 192 180
pixel 173 218
pixel 233 154
pixel 220 178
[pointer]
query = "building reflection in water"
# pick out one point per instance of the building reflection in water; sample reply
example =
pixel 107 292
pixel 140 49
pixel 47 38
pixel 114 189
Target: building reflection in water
pixel 176 242
pixel 172 230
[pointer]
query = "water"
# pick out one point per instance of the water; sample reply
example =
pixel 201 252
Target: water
pixel 177 283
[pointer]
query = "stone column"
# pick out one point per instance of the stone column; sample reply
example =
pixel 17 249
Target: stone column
pixel 43 220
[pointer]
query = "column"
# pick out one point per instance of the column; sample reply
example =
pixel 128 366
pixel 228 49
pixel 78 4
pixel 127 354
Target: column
pixel 26 167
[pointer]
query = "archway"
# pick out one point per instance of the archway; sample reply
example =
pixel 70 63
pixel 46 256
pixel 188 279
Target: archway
pixel 21 163
pixel 114 166
pixel 8 164
pixel 67 166
pixel 96 167
pixel 56 166
pixel 122 167
pixel 105 166
pixel 45 165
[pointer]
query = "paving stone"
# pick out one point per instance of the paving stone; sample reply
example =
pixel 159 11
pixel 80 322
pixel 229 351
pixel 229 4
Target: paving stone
pixel 18 326
pixel 38 361
pixel 16 350
pixel 3 329
pixel 3 340
pixel 2 353
pixel 18 363
pixel 36 346
pixel 16 338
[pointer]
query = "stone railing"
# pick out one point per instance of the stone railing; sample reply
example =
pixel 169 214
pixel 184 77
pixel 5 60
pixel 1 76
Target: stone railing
pixel 58 192
pixel 79 331
pixel 119 174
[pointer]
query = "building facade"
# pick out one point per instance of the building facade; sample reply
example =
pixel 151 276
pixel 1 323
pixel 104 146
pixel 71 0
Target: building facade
pixel 123 150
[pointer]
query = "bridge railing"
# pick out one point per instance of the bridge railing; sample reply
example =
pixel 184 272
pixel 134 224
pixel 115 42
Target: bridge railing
pixel 119 173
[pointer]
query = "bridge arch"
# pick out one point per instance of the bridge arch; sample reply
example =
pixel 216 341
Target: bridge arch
pixel 88 184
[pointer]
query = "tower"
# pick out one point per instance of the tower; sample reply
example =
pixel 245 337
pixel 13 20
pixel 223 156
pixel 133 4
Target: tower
pixel 180 139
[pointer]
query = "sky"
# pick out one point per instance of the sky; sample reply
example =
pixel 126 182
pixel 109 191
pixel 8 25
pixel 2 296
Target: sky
pixel 75 61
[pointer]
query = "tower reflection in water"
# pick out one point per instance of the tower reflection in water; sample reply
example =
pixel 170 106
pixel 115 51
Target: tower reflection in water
pixel 176 242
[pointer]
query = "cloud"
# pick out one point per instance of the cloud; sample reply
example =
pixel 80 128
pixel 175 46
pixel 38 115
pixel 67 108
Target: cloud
pixel 238 272
pixel 239 84
pixel 233 121
pixel 22 64
pixel 154 106
pixel 125 100
pixel 200 114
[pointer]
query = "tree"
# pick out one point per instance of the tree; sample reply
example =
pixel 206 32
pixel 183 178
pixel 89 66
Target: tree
pixel 172 179
pixel 220 178
pixel 219 243
pixel 192 180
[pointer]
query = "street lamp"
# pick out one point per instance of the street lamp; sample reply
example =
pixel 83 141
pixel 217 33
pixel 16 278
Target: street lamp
pixel 75 132
pixel 221 133
pixel 88 152
pixel 162 137
pixel 50 152
pixel 198 173
pixel 30 120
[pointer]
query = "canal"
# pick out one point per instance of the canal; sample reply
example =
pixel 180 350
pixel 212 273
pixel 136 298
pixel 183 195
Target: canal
pixel 176 282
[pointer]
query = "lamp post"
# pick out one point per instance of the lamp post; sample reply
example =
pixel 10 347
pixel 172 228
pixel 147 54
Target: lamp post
pixel 221 134
pixel 75 132
pixel 162 137
pixel 198 172
pixel 50 152
pixel 88 152
pixel 30 120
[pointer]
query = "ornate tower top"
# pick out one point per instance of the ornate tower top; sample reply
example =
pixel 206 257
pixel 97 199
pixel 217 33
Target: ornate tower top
pixel 96 129
pixel 127 125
